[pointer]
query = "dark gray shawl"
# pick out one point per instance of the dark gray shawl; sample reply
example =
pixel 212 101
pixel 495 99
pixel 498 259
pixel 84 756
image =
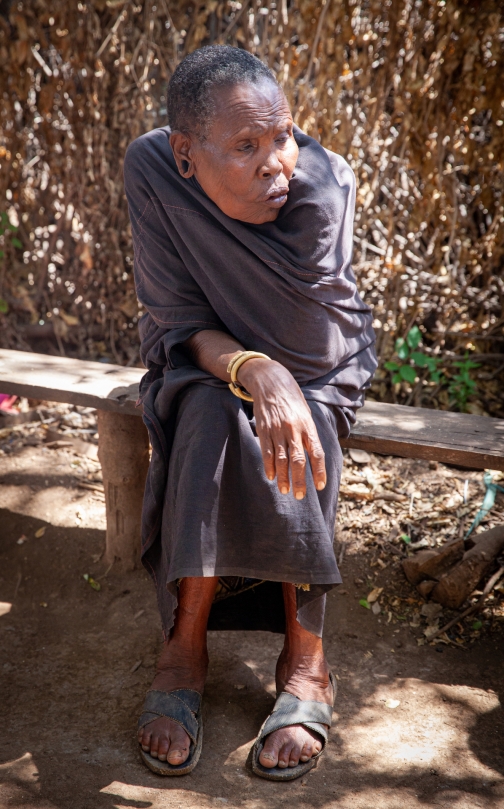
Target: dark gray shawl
pixel 285 288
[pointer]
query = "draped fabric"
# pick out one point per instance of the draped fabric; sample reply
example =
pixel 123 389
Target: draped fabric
pixel 285 288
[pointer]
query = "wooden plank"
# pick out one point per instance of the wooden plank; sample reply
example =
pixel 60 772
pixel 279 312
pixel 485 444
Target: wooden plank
pixel 61 379
pixel 414 432
pixel 411 432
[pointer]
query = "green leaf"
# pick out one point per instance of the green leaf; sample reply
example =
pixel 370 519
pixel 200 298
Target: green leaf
pixel 477 625
pixel 396 378
pixel 391 366
pixel 408 373
pixel 17 243
pixel 94 584
pixel 414 337
pixel 1 251
pixel 405 538
pixel 435 376
pixel 4 307
pixel 401 348
pixel 363 602
pixel 13 228
pixel 419 358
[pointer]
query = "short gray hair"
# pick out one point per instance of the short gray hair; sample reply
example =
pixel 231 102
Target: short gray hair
pixel 190 104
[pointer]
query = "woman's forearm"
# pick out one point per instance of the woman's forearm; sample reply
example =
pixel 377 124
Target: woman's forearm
pixel 212 351
pixel 284 423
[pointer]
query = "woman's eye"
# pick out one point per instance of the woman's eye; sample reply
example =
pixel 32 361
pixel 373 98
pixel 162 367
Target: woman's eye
pixel 246 148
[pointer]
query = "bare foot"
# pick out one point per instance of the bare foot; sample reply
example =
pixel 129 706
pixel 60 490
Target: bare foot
pixel 178 667
pixel 307 677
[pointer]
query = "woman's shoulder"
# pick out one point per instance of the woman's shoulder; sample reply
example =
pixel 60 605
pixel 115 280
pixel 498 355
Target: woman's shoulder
pixel 341 169
pixel 320 172
pixel 149 150
pixel 315 160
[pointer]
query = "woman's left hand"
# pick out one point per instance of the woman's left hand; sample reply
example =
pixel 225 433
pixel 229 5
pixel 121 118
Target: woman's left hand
pixel 284 425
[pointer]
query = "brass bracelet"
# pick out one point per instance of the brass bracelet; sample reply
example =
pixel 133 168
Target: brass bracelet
pixel 233 367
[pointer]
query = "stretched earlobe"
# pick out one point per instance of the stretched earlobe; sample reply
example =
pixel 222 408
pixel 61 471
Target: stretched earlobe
pixel 180 143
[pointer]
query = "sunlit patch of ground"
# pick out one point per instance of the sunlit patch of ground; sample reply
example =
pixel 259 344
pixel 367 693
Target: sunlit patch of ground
pixel 414 726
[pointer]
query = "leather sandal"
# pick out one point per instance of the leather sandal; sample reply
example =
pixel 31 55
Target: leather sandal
pixel 184 707
pixel 290 710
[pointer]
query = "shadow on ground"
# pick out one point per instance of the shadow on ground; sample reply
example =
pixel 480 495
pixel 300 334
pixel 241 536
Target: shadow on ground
pixel 75 664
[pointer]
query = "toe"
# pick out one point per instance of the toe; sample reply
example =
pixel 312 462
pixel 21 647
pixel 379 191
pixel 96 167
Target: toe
pixel 306 752
pixel 144 738
pixel 269 754
pixel 163 747
pixel 294 755
pixel 284 755
pixel 179 748
pixel 154 744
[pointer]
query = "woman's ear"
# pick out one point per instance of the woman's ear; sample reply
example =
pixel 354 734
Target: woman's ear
pixel 181 144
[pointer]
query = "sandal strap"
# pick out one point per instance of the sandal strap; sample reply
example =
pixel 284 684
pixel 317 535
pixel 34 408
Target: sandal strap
pixel 290 710
pixel 180 706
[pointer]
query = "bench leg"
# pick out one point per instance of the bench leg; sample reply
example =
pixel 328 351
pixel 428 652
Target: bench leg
pixel 123 451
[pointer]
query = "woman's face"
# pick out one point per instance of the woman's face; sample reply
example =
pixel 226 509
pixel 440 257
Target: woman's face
pixel 247 159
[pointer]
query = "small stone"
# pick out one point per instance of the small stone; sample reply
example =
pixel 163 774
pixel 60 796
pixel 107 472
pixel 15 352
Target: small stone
pixel 359 455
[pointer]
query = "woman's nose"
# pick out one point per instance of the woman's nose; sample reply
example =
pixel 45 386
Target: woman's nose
pixel 270 167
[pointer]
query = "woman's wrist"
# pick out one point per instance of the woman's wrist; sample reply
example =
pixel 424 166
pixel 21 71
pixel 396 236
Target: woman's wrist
pixel 250 372
pixel 265 378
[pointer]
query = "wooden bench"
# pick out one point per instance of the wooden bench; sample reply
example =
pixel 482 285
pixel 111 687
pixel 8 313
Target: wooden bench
pixel 123 447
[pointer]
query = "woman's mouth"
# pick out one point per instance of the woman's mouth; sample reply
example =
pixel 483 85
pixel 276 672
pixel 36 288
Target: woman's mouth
pixel 277 197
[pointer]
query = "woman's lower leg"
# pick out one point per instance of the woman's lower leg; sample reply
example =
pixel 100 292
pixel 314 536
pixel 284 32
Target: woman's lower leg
pixel 183 663
pixel 187 643
pixel 302 655
pixel 302 670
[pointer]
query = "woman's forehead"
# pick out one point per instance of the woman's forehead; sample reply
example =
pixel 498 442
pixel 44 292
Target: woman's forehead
pixel 251 109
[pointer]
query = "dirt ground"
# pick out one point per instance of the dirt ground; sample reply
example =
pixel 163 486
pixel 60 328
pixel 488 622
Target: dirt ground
pixel 416 725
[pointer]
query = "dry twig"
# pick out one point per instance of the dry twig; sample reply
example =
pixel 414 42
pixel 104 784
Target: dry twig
pixel 475 607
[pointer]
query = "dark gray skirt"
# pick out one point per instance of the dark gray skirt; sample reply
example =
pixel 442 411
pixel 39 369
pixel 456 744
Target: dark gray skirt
pixel 222 517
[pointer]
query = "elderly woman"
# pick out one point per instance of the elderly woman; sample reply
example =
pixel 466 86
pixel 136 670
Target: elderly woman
pixel 258 351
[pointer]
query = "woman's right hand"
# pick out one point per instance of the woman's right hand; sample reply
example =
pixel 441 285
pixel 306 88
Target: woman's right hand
pixel 284 425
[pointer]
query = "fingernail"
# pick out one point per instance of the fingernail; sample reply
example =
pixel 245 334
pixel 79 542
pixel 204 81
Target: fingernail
pixel 284 490
pixel 320 486
pixel 299 495
pixel 271 477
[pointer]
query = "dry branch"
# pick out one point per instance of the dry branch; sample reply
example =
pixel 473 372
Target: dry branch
pixel 474 608
pixel 410 94
pixel 455 586
pixel 430 564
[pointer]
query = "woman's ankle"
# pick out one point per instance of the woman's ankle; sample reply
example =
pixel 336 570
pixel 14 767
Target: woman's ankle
pixel 179 653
